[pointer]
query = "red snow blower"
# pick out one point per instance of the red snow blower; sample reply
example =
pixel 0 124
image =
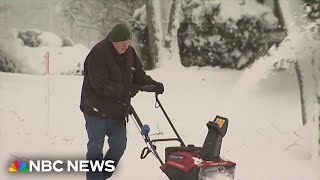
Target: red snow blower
pixel 189 162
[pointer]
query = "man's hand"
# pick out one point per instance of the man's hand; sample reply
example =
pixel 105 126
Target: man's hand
pixel 159 89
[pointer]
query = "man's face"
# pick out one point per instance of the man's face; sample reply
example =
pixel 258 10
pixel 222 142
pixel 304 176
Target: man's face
pixel 121 46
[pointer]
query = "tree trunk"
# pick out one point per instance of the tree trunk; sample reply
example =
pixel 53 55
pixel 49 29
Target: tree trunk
pixel 173 25
pixel 316 71
pixel 153 23
pixel 171 40
pixel 164 14
pixel 302 92
pixel 318 109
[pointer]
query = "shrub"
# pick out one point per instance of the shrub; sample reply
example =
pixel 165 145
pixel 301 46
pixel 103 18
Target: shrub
pixel 312 9
pixel 6 65
pixel 207 39
pixel 79 71
pixel 30 38
pixel 25 52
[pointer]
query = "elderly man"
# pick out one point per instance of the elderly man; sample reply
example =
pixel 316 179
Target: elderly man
pixel 112 74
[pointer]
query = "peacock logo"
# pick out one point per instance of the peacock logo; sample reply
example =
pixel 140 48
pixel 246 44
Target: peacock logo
pixel 18 165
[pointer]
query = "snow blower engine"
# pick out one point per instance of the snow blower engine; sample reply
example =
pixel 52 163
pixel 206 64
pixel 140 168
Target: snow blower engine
pixel 189 162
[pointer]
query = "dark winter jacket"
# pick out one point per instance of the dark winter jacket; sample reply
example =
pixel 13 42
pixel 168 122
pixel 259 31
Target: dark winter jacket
pixel 107 75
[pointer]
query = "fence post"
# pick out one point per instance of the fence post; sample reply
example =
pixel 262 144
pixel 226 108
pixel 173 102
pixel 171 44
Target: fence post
pixel 47 73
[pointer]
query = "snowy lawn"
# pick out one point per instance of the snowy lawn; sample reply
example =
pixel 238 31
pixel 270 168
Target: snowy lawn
pixel 264 136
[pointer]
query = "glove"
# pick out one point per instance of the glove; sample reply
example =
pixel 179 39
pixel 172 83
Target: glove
pixel 159 89
pixel 132 90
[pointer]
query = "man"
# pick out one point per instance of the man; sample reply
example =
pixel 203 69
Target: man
pixel 112 74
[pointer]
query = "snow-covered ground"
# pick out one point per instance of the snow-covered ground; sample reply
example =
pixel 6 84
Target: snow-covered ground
pixel 263 137
pixel 40 117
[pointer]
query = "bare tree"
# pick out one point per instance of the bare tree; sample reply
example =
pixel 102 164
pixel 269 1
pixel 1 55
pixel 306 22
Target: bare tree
pixel 302 92
pixel 281 65
pixel 99 15
pixel 85 14
pixel 316 118
pixel 154 28
pixel 173 25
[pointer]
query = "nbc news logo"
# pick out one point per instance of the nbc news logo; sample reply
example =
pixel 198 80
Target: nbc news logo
pixel 61 166
pixel 18 165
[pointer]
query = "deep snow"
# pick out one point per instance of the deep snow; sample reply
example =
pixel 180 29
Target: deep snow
pixel 260 138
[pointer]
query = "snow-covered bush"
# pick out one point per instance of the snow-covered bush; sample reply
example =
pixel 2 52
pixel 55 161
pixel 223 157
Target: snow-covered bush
pixel 36 38
pixel 214 32
pixel 6 65
pixel 223 33
pixel 75 71
pixel 312 9
pixel 30 38
pixel 26 51
pixel 66 41
pixel 140 31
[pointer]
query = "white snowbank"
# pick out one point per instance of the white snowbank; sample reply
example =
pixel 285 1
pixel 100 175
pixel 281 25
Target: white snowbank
pixel 32 60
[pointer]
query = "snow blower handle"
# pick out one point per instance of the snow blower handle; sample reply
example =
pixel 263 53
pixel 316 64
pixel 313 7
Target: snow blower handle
pixel 147 88
pixel 145 151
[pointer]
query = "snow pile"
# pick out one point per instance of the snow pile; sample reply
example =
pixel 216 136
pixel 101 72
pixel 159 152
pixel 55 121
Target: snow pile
pixel 295 140
pixel 50 40
pixel 190 102
pixel 140 16
pixel 233 10
pixel 29 51
pixel 299 45
pixel 227 34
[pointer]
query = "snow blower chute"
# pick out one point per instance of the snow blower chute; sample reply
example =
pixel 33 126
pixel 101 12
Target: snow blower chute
pixel 189 162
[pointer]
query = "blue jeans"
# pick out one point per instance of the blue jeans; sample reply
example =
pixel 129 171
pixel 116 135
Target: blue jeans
pixel 97 128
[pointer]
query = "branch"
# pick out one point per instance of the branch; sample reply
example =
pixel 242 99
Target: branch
pixel 123 9
pixel 291 145
pixel 278 129
pixel 295 143
pixel 102 15
pixel 119 19
pixel 13 112
pixel 83 25
pixel 17 115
